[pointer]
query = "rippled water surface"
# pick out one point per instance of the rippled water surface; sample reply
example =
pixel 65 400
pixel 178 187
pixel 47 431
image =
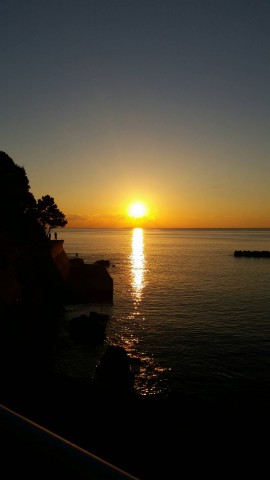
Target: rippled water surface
pixel 197 317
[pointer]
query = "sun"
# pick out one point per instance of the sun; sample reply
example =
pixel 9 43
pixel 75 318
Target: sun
pixel 137 210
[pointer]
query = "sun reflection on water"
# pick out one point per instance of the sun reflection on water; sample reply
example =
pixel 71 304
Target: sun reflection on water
pixel 137 263
pixel 143 366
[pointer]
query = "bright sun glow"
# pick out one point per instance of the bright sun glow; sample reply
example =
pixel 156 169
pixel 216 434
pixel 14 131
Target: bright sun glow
pixel 137 210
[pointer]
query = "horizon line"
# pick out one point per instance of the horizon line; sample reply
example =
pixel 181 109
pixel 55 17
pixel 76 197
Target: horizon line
pixel 166 228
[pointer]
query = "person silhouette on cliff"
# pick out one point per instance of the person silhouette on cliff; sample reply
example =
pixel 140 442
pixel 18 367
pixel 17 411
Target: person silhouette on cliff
pixel 55 235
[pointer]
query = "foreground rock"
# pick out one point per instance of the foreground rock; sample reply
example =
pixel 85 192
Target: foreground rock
pixel 88 329
pixel 113 369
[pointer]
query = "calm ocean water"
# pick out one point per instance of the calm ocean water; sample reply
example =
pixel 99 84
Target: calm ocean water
pixel 196 317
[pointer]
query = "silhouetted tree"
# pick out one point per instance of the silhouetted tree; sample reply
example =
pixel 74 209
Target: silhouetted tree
pixel 17 203
pixel 49 215
pixel 24 218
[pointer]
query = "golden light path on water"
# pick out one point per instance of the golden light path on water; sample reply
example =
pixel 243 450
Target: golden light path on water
pixel 147 370
pixel 137 263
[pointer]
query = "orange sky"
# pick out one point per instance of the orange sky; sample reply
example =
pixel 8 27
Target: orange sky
pixel 163 102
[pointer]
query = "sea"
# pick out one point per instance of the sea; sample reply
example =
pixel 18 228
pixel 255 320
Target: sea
pixel 193 318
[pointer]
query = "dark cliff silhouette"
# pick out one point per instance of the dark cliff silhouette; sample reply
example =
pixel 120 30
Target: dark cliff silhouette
pixel 29 279
pixel 36 278
pixel 17 204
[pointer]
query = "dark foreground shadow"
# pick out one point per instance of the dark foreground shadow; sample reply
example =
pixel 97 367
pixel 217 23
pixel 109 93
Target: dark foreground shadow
pixel 147 437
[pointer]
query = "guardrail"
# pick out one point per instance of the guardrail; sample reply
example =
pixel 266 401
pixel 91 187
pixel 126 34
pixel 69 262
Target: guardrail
pixel 37 452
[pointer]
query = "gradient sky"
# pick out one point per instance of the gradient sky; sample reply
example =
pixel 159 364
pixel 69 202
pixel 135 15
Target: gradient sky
pixel 108 101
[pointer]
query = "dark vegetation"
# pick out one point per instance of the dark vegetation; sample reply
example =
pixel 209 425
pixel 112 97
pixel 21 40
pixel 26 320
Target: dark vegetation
pixel 23 219
pixel 48 214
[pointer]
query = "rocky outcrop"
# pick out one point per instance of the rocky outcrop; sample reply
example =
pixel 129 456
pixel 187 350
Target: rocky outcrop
pixel 30 308
pixel 60 257
pixel 103 262
pixel 81 282
pixel 113 369
pixel 36 279
pixel 88 282
pixel 40 272
pixel 88 329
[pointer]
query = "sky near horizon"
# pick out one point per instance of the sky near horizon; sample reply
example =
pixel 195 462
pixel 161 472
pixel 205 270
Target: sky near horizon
pixel 104 102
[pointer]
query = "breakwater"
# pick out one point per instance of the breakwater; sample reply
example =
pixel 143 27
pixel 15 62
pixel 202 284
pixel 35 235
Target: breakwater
pixel 252 253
